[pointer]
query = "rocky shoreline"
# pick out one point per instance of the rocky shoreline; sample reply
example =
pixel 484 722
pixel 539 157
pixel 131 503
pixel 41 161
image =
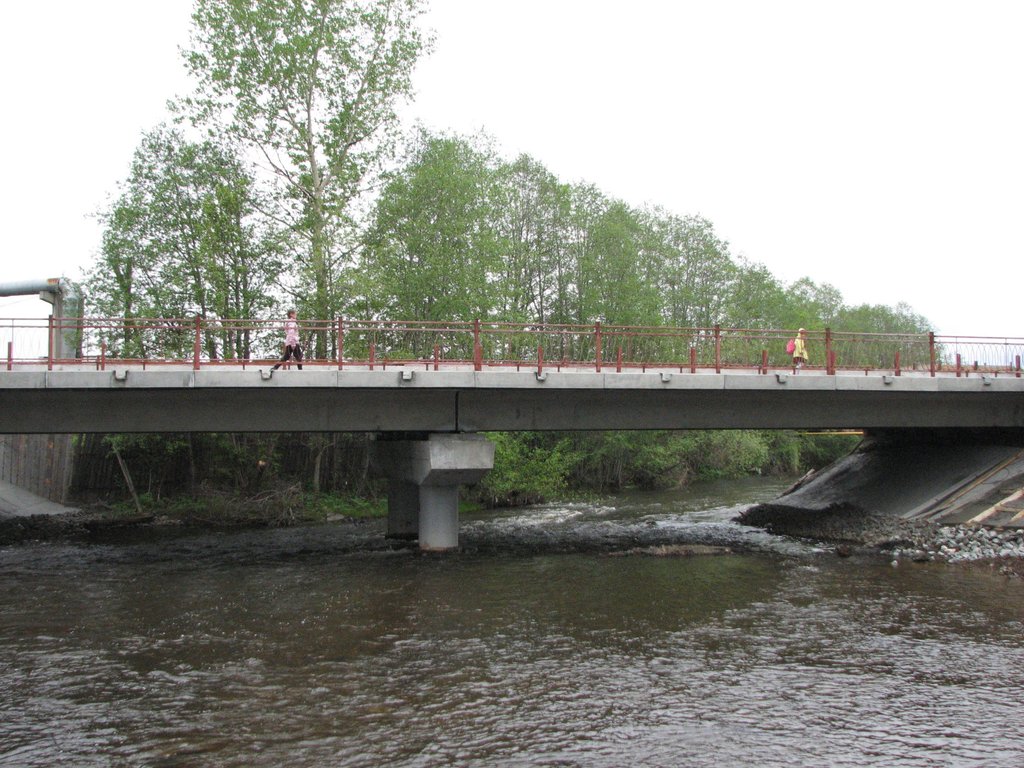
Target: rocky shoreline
pixel 848 527
pixel 1003 550
pixel 22 528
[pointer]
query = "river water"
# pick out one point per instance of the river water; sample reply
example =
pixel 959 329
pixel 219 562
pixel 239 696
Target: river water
pixel 534 646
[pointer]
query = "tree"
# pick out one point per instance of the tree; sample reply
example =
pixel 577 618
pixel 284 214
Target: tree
pixel 697 270
pixel 627 291
pixel 531 209
pixel 311 86
pixel 812 305
pixel 756 299
pixel 878 318
pixel 180 241
pixel 431 252
pixel 586 206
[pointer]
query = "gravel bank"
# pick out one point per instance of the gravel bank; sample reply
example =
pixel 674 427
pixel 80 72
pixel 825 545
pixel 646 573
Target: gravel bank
pixel 848 526
pixel 840 523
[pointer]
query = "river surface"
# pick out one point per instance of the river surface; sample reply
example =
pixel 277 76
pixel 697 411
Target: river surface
pixel 534 646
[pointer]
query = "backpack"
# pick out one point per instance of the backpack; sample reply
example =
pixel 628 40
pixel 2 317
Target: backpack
pixel 790 346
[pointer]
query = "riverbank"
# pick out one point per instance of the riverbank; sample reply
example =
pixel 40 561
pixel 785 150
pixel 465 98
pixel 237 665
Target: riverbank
pixel 843 529
pixel 922 498
pixel 210 510
pixel 849 528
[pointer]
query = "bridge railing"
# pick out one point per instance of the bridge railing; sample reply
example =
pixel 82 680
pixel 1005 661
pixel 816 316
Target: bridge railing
pixel 964 355
pixel 480 345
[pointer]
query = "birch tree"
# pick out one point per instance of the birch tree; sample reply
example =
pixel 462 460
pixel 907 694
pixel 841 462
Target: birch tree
pixel 311 87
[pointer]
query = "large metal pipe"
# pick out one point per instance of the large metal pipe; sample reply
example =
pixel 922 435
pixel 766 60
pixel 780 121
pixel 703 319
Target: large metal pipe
pixel 28 287
pixel 65 342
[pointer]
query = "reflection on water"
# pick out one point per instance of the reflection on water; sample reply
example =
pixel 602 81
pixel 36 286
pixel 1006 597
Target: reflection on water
pixel 322 646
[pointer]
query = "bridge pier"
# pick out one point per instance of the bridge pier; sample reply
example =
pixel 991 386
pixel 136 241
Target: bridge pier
pixel 403 508
pixel 424 474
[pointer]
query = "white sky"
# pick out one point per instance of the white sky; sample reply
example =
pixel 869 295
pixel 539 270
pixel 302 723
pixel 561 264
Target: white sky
pixel 877 145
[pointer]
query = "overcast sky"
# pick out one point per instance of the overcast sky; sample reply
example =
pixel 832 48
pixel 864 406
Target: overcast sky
pixel 876 146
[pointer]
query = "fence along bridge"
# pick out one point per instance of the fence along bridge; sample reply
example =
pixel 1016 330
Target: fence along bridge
pixel 427 389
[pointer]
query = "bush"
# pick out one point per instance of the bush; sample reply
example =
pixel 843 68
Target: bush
pixel 528 468
pixel 613 460
pixel 817 451
pixel 727 453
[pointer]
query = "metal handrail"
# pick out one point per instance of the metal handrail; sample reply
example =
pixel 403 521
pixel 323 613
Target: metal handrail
pixel 493 345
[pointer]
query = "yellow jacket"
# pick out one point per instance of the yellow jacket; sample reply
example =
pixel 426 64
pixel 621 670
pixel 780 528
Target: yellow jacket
pixel 799 348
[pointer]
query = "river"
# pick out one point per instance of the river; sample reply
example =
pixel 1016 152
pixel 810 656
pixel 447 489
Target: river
pixel 534 646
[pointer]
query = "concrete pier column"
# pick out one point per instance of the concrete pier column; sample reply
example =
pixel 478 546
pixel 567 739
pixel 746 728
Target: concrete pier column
pixel 403 509
pixel 439 517
pixel 435 465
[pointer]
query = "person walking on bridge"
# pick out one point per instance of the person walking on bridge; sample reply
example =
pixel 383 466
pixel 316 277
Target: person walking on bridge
pixel 800 349
pixel 292 348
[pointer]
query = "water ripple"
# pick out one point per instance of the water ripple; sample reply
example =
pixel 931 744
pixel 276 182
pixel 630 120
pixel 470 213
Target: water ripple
pixel 320 646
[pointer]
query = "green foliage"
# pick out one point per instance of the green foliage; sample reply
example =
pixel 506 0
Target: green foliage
pixel 432 246
pixel 312 87
pixel 152 459
pixel 613 460
pixel 232 478
pixel 725 453
pixel 820 450
pixel 324 506
pixel 241 461
pixel 785 453
pixel 812 306
pixel 756 299
pixel 697 273
pixel 182 241
pixel 528 468
pixel 531 213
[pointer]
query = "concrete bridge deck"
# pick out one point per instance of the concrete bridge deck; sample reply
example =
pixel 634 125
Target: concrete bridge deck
pixel 177 398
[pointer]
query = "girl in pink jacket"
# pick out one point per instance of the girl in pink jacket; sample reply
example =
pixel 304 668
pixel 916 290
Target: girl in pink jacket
pixel 291 341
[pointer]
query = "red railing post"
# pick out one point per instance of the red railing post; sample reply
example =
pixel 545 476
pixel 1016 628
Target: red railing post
pixel 618 359
pixel 341 343
pixel 693 359
pixel 897 362
pixel 373 353
pixel 931 351
pixel 103 356
pixel 1018 366
pixel 958 365
pixel 197 344
pixel 478 352
pixel 597 344
pixel 10 356
pixel 718 348
pixel 437 356
pixel 49 346
pixel 830 360
pixel 764 361
pixel 540 359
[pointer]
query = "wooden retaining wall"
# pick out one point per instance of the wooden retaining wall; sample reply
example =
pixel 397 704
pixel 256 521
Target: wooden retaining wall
pixel 40 464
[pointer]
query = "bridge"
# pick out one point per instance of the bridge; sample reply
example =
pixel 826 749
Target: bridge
pixel 428 389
